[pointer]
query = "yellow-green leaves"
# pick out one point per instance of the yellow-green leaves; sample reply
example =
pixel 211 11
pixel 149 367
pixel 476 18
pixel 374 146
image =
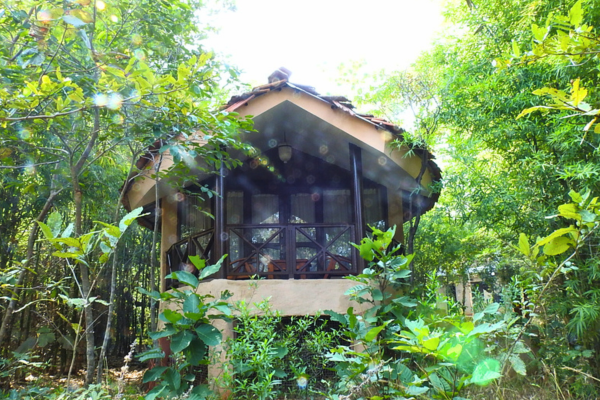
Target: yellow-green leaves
pixel 524 245
pixel 558 246
pixel 577 93
pixel 576 14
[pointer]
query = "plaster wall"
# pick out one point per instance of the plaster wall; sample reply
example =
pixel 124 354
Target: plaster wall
pixel 288 296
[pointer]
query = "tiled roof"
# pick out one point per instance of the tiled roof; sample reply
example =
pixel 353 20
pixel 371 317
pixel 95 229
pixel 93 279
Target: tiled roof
pixel 337 102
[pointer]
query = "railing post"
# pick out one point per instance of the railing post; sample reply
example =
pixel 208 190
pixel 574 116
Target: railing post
pixel 220 235
pixel 357 197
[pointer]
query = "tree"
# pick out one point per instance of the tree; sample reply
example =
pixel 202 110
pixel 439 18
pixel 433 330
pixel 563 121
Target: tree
pixel 84 80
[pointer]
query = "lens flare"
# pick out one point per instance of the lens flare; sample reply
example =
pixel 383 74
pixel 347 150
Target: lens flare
pixel 44 16
pixel 100 5
pixel 100 100
pixel 115 101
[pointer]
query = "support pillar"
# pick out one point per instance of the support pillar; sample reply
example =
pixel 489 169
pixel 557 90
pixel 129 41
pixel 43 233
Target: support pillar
pixel 357 196
pixel 168 226
pixel 220 234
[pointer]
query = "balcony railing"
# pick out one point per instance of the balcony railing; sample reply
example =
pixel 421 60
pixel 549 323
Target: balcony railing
pixel 272 251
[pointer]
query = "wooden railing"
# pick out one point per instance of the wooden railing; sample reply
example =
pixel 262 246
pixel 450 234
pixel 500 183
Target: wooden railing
pixel 272 251
pixel 199 244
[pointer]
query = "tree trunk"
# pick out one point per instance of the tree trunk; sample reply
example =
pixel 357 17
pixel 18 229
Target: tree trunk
pixel 85 273
pixel 414 226
pixel 113 285
pixel 157 214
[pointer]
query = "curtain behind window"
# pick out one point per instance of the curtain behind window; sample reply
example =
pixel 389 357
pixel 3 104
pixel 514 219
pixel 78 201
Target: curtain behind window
pixel 337 207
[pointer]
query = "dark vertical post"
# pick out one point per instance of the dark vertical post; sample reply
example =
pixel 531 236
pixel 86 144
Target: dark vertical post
pixel 220 235
pixel 357 196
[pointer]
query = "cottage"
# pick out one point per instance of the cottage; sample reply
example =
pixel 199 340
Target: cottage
pixel 322 175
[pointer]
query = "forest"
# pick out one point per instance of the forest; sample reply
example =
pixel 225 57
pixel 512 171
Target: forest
pixel 505 100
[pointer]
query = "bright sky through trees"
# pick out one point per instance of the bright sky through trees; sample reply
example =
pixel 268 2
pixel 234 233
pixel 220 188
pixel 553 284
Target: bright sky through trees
pixel 313 37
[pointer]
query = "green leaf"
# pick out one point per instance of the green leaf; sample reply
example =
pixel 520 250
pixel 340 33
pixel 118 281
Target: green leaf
pixel 416 390
pixel 198 262
pixel 154 393
pixel 373 332
pixel 71 20
pixel 515 49
pixel 558 246
pixel 129 218
pixel 402 274
pixel 524 245
pixel 167 331
pixel 555 234
pixel 172 377
pixel 191 305
pixel 151 355
pixel 170 316
pixel 337 317
pixel 153 374
pixel 195 352
pixel 200 392
pixel 486 371
pixel 492 308
pixel 181 341
pixel 279 351
pixel 570 211
pixel 211 269
pixel 154 294
pixel 209 334
pixel 431 344
pixel 517 364
pixel 55 223
pixel 184 277
pixel 46 230
pixel 576 14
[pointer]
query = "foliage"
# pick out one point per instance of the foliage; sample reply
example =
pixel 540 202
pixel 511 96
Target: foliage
pixel 190 332
pixel 85 88
pixel 445 351
pixel 269 358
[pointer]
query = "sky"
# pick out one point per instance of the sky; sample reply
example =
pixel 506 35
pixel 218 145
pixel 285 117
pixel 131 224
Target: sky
pixel 313 37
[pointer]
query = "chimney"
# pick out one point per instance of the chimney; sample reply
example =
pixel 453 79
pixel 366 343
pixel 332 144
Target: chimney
pixel 280 75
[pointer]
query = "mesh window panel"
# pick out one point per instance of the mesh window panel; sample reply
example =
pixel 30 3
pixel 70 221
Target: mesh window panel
pixel 195 214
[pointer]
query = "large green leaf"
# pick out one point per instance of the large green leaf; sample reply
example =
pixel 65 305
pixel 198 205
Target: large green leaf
pixel 153 374
pixel 167 331
pixel 191 305
pixel 170 316
pixel 195 352
pixel 181 341
pixel 558 246
pixel 172 377
pixel 209 334
pixel 485 372
pixel 184 277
